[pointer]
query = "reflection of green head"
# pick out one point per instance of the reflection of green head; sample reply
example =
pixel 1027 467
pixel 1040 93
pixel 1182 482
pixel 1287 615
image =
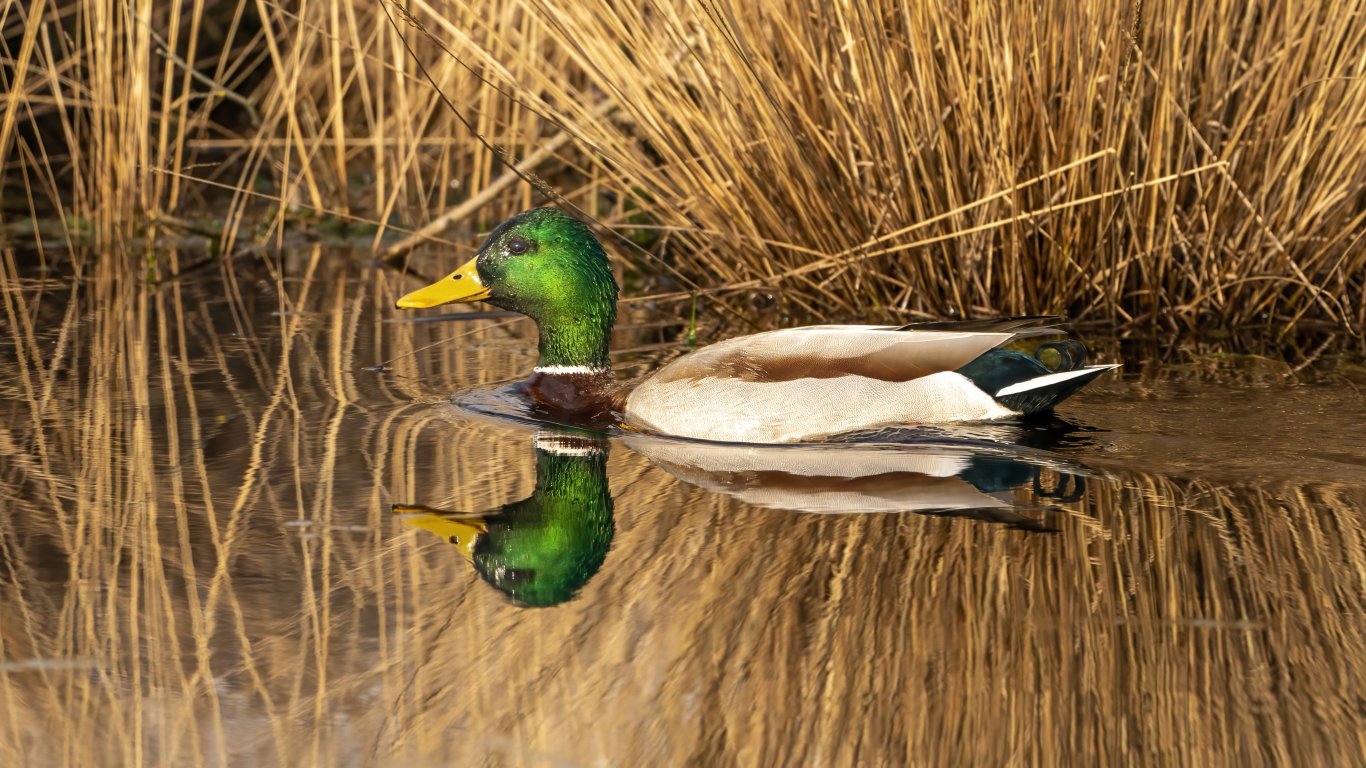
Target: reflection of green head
pixel 542 549
pixel 539 550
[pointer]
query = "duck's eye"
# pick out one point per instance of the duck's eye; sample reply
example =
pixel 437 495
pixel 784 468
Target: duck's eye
pixel 518 245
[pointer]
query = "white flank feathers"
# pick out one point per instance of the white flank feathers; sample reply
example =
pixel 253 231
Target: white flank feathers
pixel 802 409
pixel 805 383
pixel 802 384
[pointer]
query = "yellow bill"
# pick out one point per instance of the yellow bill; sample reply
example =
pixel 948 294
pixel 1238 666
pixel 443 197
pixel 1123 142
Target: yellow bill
pixel 460 530
pixel 461 285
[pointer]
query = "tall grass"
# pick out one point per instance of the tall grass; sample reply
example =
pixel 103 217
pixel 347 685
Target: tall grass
pixel 1165 165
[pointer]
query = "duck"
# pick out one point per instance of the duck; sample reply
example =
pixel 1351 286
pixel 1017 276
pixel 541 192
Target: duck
pixel 788 385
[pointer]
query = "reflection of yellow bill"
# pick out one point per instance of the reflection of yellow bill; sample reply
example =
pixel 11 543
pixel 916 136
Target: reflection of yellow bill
pixel 459 529
pixel 461 285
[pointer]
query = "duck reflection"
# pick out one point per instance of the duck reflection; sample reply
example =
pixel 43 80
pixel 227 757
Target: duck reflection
pixel 541 550
pixel 935 474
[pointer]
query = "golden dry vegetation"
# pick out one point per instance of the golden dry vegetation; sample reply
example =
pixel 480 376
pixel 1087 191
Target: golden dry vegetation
pixel 198 565
pixel 1168 165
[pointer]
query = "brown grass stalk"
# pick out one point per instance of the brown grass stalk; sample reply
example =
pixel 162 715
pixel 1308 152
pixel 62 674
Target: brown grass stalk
pixel 835 130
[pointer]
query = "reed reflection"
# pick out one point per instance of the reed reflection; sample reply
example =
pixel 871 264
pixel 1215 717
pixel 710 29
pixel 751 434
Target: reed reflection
pixel 190 560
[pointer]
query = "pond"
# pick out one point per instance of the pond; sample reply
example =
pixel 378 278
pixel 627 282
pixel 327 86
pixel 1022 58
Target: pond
pixel 244 523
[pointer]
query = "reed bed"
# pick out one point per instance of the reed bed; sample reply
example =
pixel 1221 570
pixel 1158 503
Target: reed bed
pixel 198 566
pixel 1166 166
pixel 197 561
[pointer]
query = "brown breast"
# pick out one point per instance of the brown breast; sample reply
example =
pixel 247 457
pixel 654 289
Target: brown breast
pixel 590 398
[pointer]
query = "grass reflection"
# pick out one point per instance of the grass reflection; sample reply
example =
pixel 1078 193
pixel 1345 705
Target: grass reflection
pixel 199 565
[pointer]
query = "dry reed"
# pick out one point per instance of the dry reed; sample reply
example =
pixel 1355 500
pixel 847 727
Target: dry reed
pixel 1165 165
pixel 197 566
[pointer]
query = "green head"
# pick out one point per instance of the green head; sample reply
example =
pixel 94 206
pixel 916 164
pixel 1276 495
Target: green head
pixel 547 265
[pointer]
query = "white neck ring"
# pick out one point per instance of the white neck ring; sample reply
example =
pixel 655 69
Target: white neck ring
pixel 565 370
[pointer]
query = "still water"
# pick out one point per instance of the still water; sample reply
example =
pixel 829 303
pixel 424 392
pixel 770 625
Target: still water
pixel 243 523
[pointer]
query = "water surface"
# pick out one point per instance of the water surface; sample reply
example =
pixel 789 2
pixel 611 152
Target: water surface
pixel 201 561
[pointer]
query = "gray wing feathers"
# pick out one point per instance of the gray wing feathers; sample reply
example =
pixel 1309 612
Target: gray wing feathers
pixel 1023 326
pixel 824 352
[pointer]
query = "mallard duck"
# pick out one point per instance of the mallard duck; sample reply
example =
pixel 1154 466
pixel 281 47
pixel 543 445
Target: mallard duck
pixel 788 385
